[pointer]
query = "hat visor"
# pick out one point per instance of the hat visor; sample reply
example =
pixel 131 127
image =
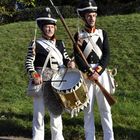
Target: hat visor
pixel 47 19
pixel 87 8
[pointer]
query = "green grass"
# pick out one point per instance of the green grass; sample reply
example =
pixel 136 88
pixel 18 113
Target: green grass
pixel 16 107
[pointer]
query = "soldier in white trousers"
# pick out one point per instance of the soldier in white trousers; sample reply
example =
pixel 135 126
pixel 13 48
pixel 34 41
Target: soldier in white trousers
pixel 38 121
pixel 94 92
pixel 49 53
pixel 93 43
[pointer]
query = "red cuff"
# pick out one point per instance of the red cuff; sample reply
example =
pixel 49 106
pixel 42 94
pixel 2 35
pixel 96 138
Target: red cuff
pixel 35 75
pixel 98 69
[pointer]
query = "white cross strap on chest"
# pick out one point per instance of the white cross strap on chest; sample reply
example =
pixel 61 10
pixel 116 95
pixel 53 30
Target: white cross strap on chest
pixel 91 39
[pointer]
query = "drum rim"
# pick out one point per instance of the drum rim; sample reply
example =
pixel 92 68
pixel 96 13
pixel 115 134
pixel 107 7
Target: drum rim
pixel 75 87
pixel 67 91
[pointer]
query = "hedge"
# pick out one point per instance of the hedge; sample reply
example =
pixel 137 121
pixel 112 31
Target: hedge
pixel 29 14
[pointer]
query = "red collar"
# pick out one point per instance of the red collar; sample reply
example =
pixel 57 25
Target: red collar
pixel 90 30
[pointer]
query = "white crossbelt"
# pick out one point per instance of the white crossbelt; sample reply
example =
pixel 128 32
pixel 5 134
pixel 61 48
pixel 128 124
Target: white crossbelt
pixel 55 56
pixel 91 45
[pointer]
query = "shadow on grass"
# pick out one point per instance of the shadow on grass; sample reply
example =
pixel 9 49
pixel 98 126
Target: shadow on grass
pixel 12 124
pixel 75 131
pixel 10 128
pixel 126 133
pixel 19 125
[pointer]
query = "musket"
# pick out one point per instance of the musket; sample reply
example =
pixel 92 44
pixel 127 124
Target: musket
pixel 107 95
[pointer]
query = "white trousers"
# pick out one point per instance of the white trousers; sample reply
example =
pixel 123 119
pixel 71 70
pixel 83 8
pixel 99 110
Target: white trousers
pixel 38 121
pixel 104 109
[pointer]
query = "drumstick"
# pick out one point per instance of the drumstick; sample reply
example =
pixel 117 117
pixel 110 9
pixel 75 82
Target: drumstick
pixel 63 76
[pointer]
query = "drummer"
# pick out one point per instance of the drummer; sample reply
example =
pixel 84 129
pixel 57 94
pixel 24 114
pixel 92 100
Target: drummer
pixel 38 51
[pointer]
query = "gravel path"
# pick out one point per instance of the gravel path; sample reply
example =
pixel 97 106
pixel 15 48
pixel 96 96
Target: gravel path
pixel 13 138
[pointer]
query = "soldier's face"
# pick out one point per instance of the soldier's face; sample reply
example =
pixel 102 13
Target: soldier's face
pixel 91 18
pixel 49 30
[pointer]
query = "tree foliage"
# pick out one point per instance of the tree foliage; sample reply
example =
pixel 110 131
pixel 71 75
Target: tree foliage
pixel 27 3
pixel 9 5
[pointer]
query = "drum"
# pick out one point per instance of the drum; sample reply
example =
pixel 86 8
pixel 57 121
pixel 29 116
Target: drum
pixel 72 90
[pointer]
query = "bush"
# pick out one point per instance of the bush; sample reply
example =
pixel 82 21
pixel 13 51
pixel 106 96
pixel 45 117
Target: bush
pixel 29 14
pixel 5 18
pixel 119 8
pixel 68 11
pixel 24 15
pixel 32 13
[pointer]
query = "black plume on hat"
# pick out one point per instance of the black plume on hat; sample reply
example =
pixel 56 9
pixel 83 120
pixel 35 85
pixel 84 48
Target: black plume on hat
pixel 46 18
pixel 86 6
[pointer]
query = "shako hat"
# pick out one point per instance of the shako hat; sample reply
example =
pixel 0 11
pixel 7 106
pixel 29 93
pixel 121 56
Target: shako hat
pixel 46 18
pixel 86 6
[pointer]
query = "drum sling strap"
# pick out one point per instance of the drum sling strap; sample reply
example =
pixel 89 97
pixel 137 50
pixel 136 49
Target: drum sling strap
pixel 45 63
pixel 51 47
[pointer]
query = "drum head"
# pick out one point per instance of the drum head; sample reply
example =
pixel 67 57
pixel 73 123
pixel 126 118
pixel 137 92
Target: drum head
pixel 71 80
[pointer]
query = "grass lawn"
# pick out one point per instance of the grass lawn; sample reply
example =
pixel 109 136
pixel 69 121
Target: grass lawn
pixel 16 107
